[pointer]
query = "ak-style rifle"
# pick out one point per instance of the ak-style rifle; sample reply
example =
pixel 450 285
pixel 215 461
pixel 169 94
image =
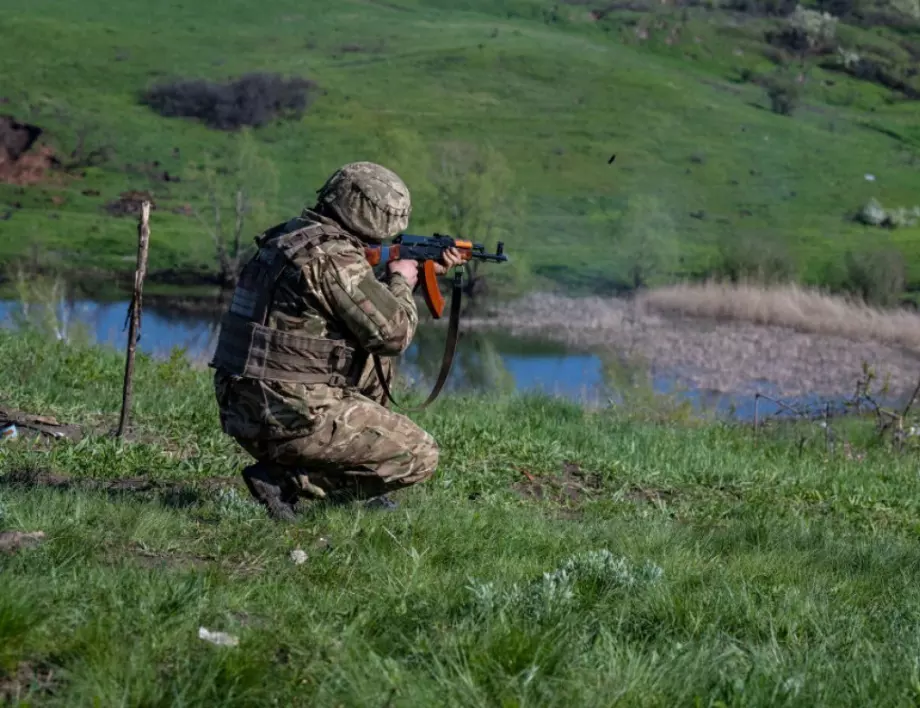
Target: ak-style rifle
pixel 428 250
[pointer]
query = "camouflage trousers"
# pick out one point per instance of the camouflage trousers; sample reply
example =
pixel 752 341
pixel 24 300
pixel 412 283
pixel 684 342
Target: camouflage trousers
pixel 356 449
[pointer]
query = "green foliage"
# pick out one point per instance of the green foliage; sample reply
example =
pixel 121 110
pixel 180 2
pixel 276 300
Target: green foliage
pixel 477 199
pixel 645 243
pixel 242 201
pixel 554 91
pixel 877 276
pixel 783 91
pixel 749 258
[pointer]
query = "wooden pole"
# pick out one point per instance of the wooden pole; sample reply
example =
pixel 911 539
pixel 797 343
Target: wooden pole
pixel 143 242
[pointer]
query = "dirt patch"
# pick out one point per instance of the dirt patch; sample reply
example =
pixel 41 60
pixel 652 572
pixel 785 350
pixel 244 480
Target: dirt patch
pixel 16 138
pixel 572 486
pixel 129 203
pixel 648 495
pixel 27 678
pixel 12 541
pixel 29 169
pixel 18 165
pixel 40 425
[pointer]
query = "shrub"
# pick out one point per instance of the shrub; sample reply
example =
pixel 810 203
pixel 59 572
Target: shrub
pixel 874 214
pixel 820 28
pixel 878 277
pixel 806 32
pixel 784 93
pixel 840 8
pixel 755 259
pixel 769 8
pixel 252 100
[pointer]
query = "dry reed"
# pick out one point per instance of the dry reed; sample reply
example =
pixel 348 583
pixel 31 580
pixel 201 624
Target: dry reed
pixel 749 339
pixel 787 306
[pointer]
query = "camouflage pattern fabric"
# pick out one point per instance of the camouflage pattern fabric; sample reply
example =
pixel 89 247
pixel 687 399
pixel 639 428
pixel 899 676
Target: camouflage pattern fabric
pixel 336 439
pixel 356 449
pixel 368 200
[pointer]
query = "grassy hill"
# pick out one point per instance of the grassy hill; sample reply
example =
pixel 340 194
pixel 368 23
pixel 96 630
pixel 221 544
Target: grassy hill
pixel 706 176
pixel 559 557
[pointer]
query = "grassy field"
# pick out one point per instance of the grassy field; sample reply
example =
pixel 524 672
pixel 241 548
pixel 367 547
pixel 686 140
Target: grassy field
pixel 559 557
pixel 703 166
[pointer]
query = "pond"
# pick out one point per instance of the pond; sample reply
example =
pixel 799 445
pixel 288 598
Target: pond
pixel 485 361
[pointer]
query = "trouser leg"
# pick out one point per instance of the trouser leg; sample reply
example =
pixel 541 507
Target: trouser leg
pixel 358 449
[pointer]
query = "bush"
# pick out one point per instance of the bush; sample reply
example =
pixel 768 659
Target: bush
pixel 754 259
pixel 876 71
pixel 769 8
pixel 878 277
pixel 874 214
pixel 784 93
pixel 806 32
pixel 252 100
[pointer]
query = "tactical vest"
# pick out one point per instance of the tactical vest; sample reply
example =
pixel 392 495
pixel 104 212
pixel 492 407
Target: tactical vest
pixel 248 348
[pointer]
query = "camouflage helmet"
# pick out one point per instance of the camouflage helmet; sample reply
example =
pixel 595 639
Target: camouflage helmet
pixel 367 199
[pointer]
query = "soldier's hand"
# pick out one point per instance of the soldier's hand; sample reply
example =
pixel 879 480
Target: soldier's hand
pixel 407 269
pixel 452 258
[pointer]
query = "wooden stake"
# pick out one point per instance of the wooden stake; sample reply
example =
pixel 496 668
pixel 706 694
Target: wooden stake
pixel 143 241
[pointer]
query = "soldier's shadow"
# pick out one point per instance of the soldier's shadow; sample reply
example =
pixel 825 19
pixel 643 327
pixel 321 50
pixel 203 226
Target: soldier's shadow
pixel 172 495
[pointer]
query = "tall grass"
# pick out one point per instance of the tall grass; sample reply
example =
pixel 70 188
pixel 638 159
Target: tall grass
pixel 790 306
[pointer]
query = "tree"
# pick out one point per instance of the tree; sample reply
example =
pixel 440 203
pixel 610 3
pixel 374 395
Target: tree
pixel 244 191
pixel 646 242
pixel 477 199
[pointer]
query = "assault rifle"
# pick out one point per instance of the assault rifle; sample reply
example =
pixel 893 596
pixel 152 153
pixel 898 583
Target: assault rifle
pixel 428 250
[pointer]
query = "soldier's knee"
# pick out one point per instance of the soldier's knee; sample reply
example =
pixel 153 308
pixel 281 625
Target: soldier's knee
pixel 427 455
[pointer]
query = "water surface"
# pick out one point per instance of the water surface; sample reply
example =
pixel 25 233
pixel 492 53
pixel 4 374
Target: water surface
pixel 485 362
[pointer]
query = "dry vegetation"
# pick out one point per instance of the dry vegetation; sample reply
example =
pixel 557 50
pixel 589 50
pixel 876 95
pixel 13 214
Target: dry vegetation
pixel 786 306
pixel 731 339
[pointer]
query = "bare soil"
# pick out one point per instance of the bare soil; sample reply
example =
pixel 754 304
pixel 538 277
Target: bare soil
pixel 12 541
pixel 19 165
pixel 572 486
pixel 27 677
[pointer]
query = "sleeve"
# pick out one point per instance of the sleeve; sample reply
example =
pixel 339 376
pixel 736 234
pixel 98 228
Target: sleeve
pixel 382 317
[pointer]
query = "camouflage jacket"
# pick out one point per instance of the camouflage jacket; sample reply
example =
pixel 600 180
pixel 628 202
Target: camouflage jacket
pixel 326 308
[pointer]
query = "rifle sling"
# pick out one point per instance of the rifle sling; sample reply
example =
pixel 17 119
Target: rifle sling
pixel 450 347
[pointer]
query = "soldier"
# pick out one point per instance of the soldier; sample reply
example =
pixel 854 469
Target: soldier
pixel 294 379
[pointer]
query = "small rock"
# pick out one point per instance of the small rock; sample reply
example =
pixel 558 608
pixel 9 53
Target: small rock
pixel 298 556
pixel 221 639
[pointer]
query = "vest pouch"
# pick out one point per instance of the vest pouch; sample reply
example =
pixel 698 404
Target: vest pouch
pixel 253 351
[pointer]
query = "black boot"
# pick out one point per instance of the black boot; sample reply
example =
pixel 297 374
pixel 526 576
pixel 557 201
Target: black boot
pixel 271 491
pixel 381 503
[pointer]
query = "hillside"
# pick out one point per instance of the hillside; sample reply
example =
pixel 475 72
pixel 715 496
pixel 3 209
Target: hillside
pixel 559 557
pixel 707 177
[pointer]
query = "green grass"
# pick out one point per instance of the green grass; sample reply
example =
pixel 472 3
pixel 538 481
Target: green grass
pixel 736 575
pixel 556 96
